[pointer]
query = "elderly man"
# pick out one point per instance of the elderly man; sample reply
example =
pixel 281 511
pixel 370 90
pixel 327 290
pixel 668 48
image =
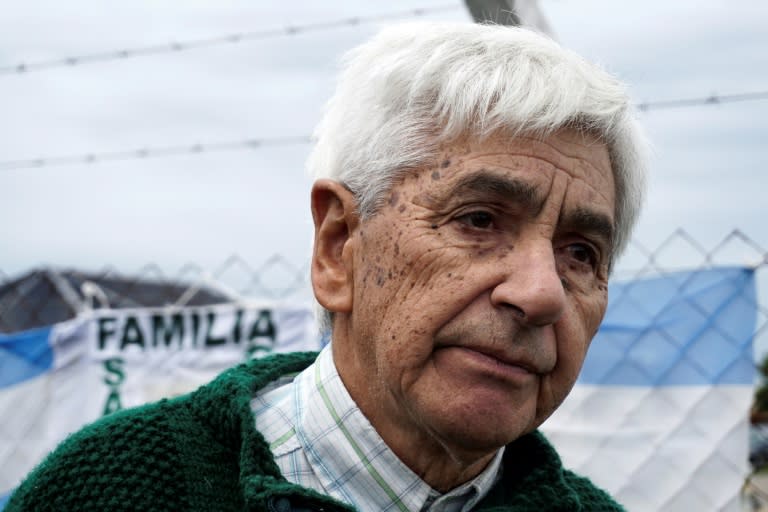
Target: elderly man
pixel 474 186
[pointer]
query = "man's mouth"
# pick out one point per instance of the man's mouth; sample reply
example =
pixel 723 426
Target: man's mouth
pixel 492 363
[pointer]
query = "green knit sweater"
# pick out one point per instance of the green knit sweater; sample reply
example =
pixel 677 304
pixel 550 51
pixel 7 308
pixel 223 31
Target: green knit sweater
pixel 202 452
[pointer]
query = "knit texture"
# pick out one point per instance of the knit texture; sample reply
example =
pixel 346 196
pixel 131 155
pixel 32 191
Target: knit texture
pixel 202 452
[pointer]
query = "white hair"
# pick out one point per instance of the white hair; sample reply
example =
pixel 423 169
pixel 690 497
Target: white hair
pixel 417 86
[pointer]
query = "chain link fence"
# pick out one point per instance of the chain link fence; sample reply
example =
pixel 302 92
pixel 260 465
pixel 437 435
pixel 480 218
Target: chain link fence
pixel 46 296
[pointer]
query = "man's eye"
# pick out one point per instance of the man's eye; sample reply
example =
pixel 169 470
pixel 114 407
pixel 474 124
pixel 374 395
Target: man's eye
pixel 478 219
pixel 583 253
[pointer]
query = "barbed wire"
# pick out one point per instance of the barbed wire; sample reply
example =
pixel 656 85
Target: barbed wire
pixel 234 38
pixel 155 152
pixel 251 144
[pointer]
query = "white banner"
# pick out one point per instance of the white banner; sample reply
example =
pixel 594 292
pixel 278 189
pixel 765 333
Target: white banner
pixel 107 360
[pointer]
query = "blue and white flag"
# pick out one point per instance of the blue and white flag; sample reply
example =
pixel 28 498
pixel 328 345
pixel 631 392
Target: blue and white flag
pixel 659 416
pixel 56 379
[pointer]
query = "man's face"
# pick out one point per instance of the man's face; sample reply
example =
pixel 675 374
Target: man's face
pixel 476 290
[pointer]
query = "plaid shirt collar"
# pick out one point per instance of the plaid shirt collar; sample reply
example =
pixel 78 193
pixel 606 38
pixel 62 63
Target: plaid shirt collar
pixel 347 457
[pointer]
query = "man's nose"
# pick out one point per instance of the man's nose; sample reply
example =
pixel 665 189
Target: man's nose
pixel 531 285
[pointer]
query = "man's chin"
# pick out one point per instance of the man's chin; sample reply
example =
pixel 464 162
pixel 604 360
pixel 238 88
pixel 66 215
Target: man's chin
pixel 483 430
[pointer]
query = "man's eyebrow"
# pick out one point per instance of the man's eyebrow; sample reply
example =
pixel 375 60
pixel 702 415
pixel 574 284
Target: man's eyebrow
pixel 488 183
pixel 584 220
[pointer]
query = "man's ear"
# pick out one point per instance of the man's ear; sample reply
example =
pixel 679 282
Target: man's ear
pixel 334 212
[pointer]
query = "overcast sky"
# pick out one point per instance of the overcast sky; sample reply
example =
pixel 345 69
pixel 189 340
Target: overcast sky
pixel 708 171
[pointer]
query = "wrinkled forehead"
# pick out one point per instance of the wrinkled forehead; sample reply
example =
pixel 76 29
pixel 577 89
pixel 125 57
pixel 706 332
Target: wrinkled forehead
pixel 582 156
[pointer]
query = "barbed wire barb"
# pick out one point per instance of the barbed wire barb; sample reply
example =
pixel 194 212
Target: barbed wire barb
pixel 713 99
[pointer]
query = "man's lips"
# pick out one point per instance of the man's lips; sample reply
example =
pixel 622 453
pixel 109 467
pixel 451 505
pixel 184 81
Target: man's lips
pixel 494 362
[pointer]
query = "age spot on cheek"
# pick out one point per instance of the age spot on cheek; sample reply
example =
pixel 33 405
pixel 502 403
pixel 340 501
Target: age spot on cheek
pixel 380 277
pixel 445 163
pixel 435 175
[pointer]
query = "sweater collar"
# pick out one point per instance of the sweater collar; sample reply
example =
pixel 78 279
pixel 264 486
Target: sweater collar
pixel 224 405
